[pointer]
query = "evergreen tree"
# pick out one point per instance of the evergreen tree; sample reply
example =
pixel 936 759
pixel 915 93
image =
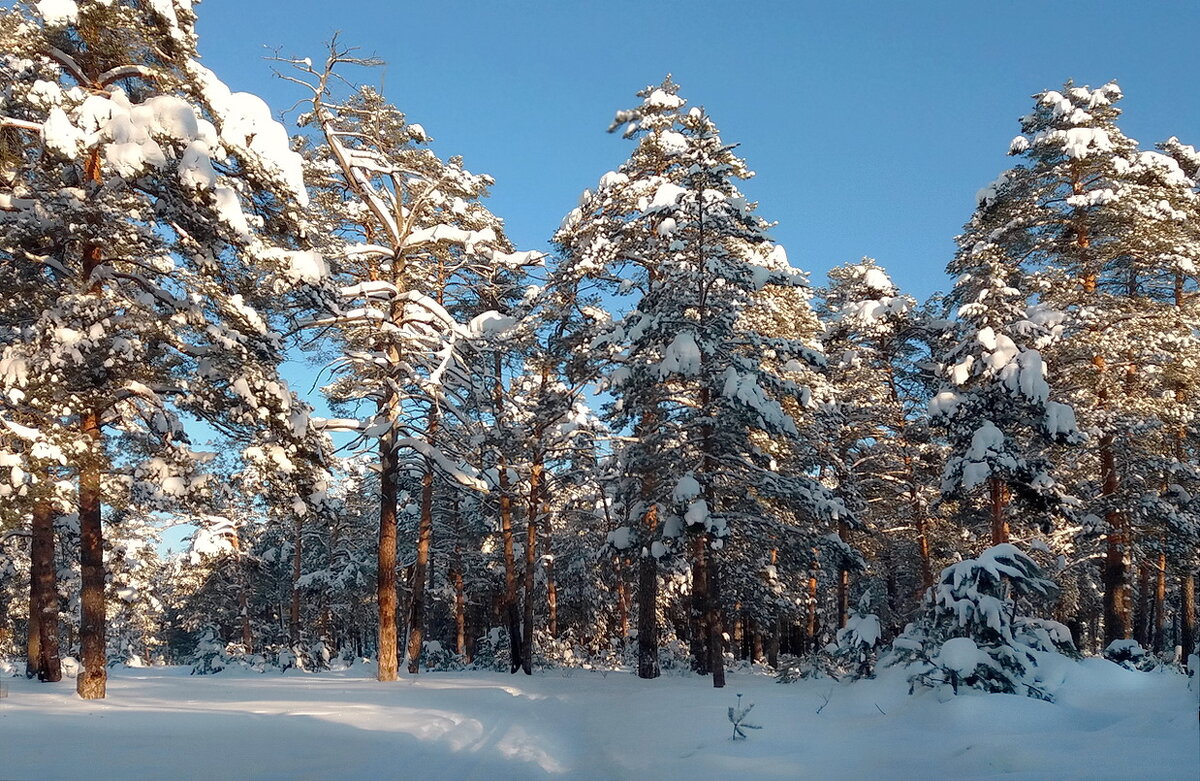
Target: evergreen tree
pixel 970 632
pixel 1099 225
pixel 144 216
pixel 406 234
pixel 689 382
pixel 995 403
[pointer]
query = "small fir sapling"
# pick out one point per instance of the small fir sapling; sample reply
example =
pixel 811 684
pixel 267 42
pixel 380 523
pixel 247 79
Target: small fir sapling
pixel 737 717
pixel 969 632
pixel 857 646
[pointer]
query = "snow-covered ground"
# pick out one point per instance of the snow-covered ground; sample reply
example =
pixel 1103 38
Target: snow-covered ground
pixel 161 723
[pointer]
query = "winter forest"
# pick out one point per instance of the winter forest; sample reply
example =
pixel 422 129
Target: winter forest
pixel 659 449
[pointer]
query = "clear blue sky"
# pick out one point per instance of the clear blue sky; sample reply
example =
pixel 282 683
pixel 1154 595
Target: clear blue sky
pixel 871 125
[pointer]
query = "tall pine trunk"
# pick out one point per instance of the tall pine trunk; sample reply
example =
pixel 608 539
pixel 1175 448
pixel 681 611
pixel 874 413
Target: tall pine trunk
pixel 91 683
pixel 1117 621
pixel 701 658
pixel 536 476
pixel 843 588
pixel 460 596
pixel 647 590
pixel 1158 637
pixel 294 606
pixel 716 625
pixel 33 631
pixel 385 584
pixel 647 620
pixel 44 592
pixel 416 614
pixel 1187 610
pixel 509 607
pixel 551 583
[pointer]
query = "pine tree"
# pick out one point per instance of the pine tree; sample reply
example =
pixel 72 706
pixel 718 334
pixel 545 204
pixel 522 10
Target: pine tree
pixel 406 233
pixel 689 382
pixel 877 341
pixel 995 403
pixel 1098 224
pixel 970 632
pixel 144 216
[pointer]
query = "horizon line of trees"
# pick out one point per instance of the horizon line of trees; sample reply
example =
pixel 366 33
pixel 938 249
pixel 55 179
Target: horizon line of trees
pixel 659 446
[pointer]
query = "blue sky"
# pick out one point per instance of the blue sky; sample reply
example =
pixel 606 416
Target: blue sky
pixel 871 125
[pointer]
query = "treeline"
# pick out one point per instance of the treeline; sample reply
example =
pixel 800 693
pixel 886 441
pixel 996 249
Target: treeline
pixel 660 445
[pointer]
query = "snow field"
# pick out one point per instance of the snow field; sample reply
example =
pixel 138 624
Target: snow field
pixel 160 723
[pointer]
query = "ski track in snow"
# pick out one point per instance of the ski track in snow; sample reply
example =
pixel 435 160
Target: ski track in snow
pixel 161 723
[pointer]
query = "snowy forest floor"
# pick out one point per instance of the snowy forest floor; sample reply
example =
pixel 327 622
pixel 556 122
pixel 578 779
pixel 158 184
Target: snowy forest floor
pixel 1108 723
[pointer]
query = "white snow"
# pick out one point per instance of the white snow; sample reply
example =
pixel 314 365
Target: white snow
pixel 1108 724
pixel 687 489
pixel 58 13
pixel 682 356
pixel 959 654
pixel 308 266
pixel 666 196
pixel 672 142
pixel 247 126
pixel 621 538
pixel 697 513
pixel 662 99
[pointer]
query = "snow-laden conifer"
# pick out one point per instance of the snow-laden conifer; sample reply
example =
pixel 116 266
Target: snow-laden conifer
pixel 143 193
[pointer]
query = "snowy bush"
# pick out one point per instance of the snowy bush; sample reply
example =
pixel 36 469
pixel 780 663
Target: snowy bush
pixel 212 656
pixel 819 664
pixel 491 651
pixel 435 656
pixel 209 656
pixel 969 632
pixel 1130 655
pixel 857 647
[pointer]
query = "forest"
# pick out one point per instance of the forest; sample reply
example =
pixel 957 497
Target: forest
pixel 657 447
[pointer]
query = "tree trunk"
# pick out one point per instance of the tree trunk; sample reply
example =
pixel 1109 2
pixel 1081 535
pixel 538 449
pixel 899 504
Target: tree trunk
pixel 1145 604
pixel 510 608
pixel 91 683
pixel 511 611
pixel 998 499
pixel 622 600
pixel 551 587
pixel 33 632
pixel 647 620
pixel 460 597
pixel 1187 613
pixel 1117 624
pixel 536 475
pixel 1158 639
pixel 701 657
pixel 716 625
pixel 812 625
pixel 243 596
pixel 843 590
pixel 385 584
pixel 416 615
pixel 44 591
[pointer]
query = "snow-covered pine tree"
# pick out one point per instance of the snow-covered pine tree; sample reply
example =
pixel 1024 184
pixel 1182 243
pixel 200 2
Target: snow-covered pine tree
pixel 1100 225
pixel 144 214
pixel 689 382
pixel 994 404
pixel 970 631
pixel 405 232
pixel 877 340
